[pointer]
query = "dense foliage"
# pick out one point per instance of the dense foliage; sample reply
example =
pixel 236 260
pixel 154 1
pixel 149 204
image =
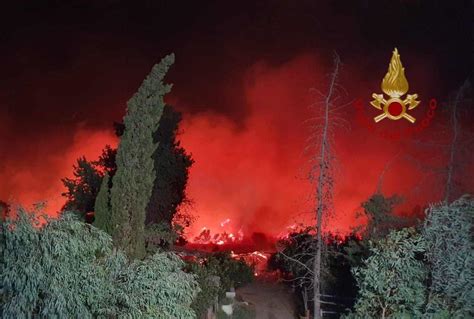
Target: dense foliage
pixel 133 181
pixel 233 273
pixel 392 279
pixel 102 206
pixel 217 274
pixel 449 234
pixel 172 165
pixel 69 269
pixel 82 190
pixel 294 262
pixel 424 273
pixel 378 210
pixel 164 221
pixel 210 285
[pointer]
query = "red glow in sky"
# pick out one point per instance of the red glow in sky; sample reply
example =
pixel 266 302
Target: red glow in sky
pixel 251 170
pixel 255 172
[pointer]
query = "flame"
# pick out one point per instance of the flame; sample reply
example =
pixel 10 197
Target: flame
pixel 225 222
pixel 259 254
pixel 220 238
pixel 394 82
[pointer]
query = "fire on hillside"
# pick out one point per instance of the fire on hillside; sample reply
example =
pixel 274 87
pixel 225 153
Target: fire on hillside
pixel 255 249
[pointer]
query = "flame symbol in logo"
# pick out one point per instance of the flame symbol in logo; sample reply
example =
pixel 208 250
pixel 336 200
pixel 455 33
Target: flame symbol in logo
pixel 395 85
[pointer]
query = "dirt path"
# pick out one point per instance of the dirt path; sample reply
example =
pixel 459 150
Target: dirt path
pixel 271 300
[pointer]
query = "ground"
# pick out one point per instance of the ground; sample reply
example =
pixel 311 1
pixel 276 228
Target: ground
pixel 271 300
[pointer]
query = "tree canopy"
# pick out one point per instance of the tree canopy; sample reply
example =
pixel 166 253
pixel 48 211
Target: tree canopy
pixel 69 269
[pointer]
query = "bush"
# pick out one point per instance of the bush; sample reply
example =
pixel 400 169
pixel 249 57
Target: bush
pixel 448 231
pixel 392 279
pixel 210 286
pixel 424 274
pixel 69 269
pixel 233 273
pixel 230 272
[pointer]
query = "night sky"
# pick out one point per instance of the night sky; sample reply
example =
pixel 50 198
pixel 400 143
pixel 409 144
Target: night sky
pixel 242 80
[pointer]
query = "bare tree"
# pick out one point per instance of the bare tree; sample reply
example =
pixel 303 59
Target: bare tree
pixel 308 262
pixel 455 141
pixel 322 174
pixel 450 145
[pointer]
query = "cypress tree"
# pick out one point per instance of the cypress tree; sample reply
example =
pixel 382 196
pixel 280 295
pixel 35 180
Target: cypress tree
pixel 102 206
pixel 173 163
pixel 133 181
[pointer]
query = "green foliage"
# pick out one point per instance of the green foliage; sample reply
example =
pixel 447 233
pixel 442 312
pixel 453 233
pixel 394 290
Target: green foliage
pixel 160 236
pixel 68 269
pixel 155 288
pixel 448 231
pixel 378 210
pixel 233 273
pixel 47 271
pixel 392 279
pixel 133 181
pixel 381 220
pixel 209 282
pixel 83 188
pixel 427 274
pixel 102 206
pixel 217 274
pixel 172 165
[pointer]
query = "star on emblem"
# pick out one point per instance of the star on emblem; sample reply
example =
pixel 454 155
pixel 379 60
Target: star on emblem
pixel 395 85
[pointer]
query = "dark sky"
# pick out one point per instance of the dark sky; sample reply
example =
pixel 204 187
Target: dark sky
pixel 70 64
pixel 59 58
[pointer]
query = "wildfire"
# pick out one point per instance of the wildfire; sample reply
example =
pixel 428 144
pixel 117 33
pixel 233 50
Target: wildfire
pixel 221 238
pixel 258 259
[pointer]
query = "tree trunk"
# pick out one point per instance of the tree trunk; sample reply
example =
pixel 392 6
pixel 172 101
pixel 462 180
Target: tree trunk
pixel 323 179
pixel 454 142
pixel 317 277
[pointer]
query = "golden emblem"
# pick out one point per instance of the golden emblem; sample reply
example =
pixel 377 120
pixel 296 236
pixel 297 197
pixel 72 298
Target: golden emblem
pixel 395 85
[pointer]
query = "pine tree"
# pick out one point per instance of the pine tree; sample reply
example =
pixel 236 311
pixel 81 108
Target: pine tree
pixel 102 206
pixel 133 181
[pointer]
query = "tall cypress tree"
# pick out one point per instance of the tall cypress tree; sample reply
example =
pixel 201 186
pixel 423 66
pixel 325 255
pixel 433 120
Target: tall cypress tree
pixel 133 181
pixel 173 163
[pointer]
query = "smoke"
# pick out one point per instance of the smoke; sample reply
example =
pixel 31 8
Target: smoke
pixel 250 165
pixel 253 169
pixel 32 173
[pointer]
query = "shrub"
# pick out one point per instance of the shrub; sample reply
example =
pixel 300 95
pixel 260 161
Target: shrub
pixel 69 269
pixel 392 279
pixel 448 231
pixel 230 272
pixel 210 286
